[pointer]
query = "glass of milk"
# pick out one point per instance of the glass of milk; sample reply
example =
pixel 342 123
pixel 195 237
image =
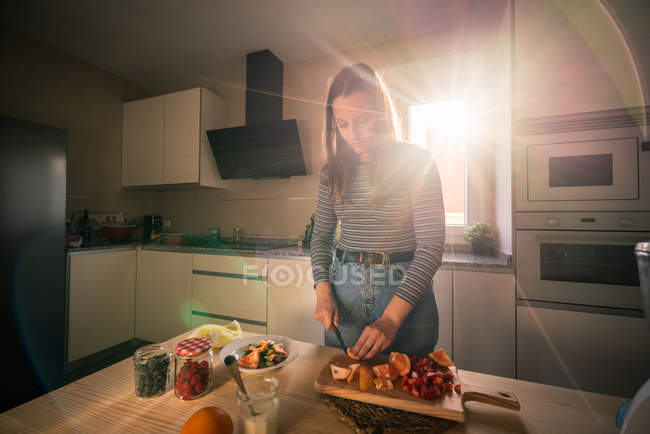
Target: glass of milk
pixel 258 410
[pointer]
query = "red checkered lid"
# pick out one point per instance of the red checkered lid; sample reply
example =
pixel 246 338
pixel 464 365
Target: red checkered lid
pixel 193 346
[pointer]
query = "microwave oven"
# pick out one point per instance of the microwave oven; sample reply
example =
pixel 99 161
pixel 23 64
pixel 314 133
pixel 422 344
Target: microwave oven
pixel 596 170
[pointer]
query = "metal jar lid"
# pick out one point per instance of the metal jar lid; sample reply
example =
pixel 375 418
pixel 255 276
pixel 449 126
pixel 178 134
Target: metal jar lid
pixel 643 247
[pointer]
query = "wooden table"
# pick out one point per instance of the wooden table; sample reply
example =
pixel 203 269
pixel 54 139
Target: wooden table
pixel 105 402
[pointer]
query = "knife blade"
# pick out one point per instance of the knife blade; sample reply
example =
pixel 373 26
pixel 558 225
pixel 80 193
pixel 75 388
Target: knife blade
pixel 340 338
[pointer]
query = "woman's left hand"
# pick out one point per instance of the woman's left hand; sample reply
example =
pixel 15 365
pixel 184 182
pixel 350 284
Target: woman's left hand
pixel 375 338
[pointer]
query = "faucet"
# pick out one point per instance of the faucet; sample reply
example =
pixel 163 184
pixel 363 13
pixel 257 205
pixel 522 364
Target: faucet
pixel 236 235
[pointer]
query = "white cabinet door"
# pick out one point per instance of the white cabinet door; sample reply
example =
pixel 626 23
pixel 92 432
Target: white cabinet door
pixel 582 347
pixel 142 140
pixel 484 322
pixel 182 115
pixel 163 295
pixel 442 288
pixel 292 300
pixel 227 287
pixel 101 301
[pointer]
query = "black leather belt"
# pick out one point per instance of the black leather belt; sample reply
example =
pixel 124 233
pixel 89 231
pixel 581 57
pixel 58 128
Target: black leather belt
pixel 374 258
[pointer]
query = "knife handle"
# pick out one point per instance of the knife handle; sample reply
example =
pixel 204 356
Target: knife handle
pixel 339 337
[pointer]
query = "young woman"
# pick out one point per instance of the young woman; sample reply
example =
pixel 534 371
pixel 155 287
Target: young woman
pixel 376 284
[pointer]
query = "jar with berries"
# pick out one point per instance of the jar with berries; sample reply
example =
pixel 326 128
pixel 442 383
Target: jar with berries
pixel 193 368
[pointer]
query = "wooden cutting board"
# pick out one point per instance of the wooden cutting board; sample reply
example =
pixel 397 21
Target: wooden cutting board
pixel 450 406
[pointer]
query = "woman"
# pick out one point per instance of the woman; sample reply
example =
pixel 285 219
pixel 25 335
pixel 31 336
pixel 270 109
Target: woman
pixel 375 286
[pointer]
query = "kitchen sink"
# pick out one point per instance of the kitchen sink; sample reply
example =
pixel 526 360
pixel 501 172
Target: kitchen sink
pixel 245 244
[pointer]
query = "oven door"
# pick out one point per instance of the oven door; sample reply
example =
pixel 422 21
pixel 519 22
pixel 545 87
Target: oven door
pixel 579 267
pixel 585 170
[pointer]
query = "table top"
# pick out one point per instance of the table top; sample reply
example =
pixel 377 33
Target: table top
pixel 105 402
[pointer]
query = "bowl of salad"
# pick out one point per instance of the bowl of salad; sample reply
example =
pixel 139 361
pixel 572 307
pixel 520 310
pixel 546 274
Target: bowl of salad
pixel 261 353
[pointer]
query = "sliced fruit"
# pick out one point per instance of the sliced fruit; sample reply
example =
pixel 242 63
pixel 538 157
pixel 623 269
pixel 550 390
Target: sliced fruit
pixel 381 370
pixel 350 355
pixel 392 374
pixel 365 378
pixel 441 358
pixel 383 383
pixel 339 373
pixel 354 372
pixel 400 362
pixel 252 360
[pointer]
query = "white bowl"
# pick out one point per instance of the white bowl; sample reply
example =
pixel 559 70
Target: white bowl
pixel 237 347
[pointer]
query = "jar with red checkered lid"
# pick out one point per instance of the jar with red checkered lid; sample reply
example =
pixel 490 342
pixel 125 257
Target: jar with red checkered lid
pixel 193 368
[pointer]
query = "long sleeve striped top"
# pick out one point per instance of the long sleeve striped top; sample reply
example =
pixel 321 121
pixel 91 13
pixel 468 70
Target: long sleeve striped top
pixel 411 217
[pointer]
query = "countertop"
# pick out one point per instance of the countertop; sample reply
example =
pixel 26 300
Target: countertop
pixel 454 257
pixel 105 402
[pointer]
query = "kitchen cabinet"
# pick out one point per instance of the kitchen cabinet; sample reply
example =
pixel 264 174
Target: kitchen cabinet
pixel 291 301
pixel 163 294
pixel 227 287
pixel 443 291
pixel 560 66
pixel 164 139
pixel 101 301
pixel 583 347
pixel 484 322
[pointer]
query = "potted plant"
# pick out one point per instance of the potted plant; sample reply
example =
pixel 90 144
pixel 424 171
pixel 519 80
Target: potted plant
pixel 479 235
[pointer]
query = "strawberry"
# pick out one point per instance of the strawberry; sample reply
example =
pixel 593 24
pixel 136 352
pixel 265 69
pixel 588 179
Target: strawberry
pixel 424 392
pixel 438 381
pixel 415 391
pixel 457 388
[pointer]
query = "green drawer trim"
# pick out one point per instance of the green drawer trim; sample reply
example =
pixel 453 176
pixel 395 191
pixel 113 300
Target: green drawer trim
pixel 229 318
pixel 231 275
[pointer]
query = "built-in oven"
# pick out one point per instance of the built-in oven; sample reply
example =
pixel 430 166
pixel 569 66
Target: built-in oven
pixel 597 170
pixel 579 309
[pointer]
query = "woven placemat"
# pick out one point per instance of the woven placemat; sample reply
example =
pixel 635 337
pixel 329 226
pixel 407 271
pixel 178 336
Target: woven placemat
pixel 367 418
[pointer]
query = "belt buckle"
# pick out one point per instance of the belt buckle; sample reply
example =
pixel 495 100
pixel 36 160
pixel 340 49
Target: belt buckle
pixel 383 257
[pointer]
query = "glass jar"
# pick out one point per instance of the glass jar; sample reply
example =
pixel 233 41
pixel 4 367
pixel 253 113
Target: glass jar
pixel 258 410
pixel 152 370
pixel 193 368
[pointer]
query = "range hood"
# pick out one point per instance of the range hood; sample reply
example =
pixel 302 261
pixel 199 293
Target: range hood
pixel 267 147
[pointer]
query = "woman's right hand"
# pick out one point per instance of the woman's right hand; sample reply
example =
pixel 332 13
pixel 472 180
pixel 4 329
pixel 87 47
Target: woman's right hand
pixel 326 311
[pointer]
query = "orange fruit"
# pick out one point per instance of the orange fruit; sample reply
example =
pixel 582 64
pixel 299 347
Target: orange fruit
pixel 441 358
pixel 208 420
pixel 381 370
pixel 350 355
pixel 365 379
pixel 252 360
pixel 400 363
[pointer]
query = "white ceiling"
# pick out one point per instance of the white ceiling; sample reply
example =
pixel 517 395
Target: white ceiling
pixel 154 43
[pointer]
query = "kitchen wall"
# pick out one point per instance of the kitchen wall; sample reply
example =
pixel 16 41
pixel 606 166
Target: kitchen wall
pixel 283 206
pixel 41 84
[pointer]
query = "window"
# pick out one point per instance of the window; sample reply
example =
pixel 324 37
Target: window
pixel 444 129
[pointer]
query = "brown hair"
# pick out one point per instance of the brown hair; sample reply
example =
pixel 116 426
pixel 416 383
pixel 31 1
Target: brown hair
pixel 342 160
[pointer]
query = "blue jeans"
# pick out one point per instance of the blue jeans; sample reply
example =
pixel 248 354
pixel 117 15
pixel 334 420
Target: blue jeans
pixel 362 293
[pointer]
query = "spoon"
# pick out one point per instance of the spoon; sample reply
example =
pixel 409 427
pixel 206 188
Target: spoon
pixel 231 364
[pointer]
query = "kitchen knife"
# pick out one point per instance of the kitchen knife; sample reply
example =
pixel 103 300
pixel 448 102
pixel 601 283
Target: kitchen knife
pixel 340 338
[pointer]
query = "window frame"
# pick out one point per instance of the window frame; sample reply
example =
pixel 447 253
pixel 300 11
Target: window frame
pixel 454 232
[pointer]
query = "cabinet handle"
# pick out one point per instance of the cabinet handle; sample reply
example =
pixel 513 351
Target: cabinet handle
pixel 553 221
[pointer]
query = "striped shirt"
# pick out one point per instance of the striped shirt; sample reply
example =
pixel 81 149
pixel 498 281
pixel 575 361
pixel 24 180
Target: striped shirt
pixel 411 217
